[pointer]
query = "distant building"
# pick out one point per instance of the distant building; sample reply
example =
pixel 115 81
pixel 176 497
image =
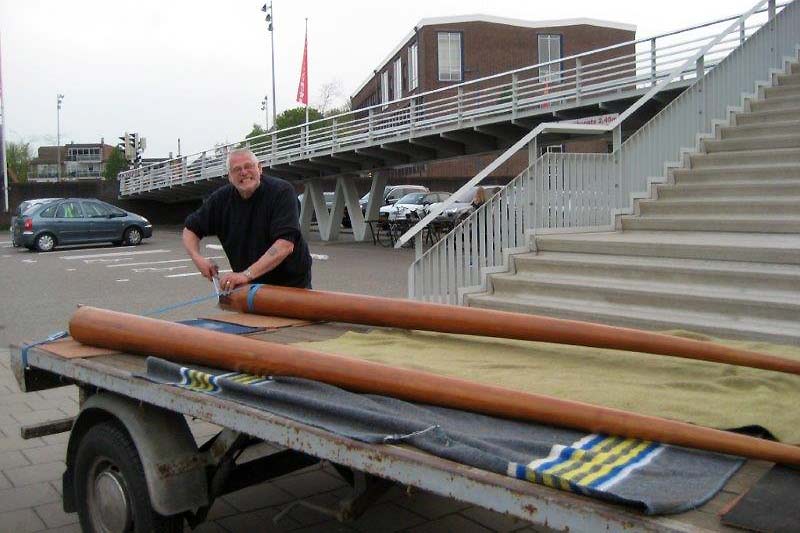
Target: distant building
pixel 446 51
pixel 78 162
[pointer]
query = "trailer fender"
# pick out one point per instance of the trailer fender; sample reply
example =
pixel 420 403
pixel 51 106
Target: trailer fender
pixel 173 467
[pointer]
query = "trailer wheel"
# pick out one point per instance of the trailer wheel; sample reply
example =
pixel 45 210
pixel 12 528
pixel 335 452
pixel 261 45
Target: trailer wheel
pixel 110 487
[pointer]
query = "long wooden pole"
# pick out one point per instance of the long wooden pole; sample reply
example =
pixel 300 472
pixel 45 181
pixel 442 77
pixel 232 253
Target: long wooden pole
pixel 186 344
pixel 410 314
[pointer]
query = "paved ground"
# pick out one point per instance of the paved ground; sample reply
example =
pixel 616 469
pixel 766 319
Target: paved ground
pixel 38 293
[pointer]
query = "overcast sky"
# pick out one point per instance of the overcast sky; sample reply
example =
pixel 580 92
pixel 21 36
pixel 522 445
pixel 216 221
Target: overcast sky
pixel 197 70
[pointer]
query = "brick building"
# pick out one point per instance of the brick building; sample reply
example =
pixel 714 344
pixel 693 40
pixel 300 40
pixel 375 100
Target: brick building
pixel 447 51
pixel 84 161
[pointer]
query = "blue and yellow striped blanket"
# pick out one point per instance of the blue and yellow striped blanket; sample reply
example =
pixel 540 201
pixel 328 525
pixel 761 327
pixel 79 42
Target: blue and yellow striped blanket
pixel 656 478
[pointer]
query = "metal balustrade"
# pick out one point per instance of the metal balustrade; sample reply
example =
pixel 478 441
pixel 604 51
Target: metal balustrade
pixel 585 191
pixel 601 75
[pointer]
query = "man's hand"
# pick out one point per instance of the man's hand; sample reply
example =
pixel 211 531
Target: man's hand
pixel 228 282
pixel 191 242
pixel 206 266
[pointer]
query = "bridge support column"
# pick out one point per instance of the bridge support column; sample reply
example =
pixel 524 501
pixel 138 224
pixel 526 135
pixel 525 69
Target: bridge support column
pixel 346 195
pixel 313 196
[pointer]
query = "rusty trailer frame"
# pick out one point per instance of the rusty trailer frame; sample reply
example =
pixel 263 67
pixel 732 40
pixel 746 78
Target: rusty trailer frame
pixel 539 505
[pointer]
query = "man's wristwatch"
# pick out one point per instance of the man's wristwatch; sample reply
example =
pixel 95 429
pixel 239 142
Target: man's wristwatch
pixel 249 275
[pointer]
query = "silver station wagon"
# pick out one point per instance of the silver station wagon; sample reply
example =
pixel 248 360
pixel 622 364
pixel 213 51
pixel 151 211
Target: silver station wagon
pixel 44 226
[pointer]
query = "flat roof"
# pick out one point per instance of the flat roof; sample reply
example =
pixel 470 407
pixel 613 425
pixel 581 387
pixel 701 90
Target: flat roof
pixel 433 21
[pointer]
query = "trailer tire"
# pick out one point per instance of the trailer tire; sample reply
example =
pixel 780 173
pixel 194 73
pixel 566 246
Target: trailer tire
pixel 110 487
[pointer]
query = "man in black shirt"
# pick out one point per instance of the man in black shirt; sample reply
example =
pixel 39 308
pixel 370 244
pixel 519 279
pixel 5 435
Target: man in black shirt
pixel 255 218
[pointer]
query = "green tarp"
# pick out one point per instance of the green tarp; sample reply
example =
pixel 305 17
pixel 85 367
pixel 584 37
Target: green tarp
pixel 707 394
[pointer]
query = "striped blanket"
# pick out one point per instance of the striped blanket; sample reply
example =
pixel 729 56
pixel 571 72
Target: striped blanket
pixel 656 478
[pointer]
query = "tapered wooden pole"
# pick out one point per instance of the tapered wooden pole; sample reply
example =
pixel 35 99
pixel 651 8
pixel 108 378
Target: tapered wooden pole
pixel 186 344
pixel 410 314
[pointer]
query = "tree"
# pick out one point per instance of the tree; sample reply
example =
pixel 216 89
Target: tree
pixel 296 116
pixel 115 164
pixel 328 94
pixel 18 155
pixel 257 131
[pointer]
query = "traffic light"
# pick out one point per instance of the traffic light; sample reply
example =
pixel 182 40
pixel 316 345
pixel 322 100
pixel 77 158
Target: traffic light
pixel 127 146
pixel 139 144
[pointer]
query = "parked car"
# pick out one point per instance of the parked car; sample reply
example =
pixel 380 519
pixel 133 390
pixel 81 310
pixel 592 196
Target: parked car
pixel 414 205
pixel 462 204
pixel 391 194
pixel 21 208
pixel 78 221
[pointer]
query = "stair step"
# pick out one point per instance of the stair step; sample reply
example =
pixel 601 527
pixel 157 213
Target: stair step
pixel 788 79
pixel 786 127
pixel 767 117
pixel 725 246
pixel 716 174
pixel 729 189
pixel 647 317
pixel 717 205
pixel 713 223
pixel 746 157
pixel 786 102
pixel 676 297
pixel 739 275
pixel 752 143
pixel 781 90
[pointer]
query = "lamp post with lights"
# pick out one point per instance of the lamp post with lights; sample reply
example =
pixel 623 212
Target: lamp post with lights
pixel 265 109
pixel 59 99
pixel 270 21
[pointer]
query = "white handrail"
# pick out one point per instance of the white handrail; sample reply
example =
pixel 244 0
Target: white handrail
pixel 352 128
pixel 593 130
pixel 575 190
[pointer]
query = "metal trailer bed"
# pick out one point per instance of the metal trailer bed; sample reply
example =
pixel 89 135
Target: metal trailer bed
pixel 368 464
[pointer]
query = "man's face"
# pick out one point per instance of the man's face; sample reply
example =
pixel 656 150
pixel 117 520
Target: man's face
pixel 244 174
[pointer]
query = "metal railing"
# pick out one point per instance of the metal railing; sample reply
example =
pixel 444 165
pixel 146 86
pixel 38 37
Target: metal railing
pixel 598 75
pixel 585 190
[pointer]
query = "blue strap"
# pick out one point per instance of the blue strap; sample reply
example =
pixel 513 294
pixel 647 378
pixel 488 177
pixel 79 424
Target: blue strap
pixel 61 334
pixel 23 351
pixel 251 295
pixel 181 304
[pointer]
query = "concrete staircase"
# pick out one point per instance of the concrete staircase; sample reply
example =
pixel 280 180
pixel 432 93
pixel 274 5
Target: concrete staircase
pixel 715 250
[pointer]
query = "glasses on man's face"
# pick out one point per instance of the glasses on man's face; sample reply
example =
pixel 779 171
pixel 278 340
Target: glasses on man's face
pixel 238 169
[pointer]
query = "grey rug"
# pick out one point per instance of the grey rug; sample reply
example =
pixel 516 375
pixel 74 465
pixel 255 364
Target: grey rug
pixel 656 478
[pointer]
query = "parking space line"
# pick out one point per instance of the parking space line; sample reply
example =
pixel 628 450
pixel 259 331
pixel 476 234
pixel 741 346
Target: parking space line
pixel 159 269
pixel 193 274
pixel 115 254
pixel 160 262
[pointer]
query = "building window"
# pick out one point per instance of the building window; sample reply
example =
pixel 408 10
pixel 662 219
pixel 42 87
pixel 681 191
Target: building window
pixel 550 50
pixel 449 56
pixel 384 87
pixel 398 79
pixel 413 71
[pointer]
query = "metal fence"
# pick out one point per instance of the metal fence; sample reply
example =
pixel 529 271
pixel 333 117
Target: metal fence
pixel 594 76
pixel 585 190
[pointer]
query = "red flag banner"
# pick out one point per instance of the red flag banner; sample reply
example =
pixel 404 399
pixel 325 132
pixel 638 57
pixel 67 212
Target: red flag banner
pixel 302 87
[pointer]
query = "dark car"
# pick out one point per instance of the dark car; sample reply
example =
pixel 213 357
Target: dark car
pixel 21 208
pixel 78 221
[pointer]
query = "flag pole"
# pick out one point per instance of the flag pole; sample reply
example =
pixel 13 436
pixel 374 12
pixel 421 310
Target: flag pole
pixel 305 60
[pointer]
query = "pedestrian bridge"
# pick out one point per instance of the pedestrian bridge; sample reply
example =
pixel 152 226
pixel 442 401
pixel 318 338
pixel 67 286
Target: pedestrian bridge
pixel 478 116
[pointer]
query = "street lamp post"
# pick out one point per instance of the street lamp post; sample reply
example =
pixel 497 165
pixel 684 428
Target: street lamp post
pixel 59 99
pixel 265 109
pixel 270 20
